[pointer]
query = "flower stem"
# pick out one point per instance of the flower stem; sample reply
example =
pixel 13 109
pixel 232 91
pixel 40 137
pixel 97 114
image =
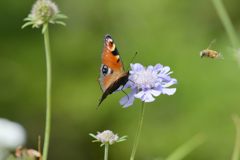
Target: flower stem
pixel 185 149
pixel 106 151
pixel 48 93
pixel 136 141
pixel 222 13
pixel 235 155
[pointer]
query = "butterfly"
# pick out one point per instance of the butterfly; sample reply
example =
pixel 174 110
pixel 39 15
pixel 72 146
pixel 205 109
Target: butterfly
pixel 112 73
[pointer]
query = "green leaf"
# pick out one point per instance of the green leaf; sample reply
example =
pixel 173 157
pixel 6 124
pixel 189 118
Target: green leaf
pixel 187 148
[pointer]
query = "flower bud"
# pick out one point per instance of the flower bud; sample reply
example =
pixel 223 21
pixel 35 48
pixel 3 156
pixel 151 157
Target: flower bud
pixel 44 12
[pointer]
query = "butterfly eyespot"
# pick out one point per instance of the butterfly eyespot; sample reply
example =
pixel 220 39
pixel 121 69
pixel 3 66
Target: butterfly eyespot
pixel 106 70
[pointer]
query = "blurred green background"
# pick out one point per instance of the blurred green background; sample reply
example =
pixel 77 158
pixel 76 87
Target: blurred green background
pixel 169 32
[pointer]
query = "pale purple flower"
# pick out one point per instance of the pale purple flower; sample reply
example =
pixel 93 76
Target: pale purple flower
pixel 147 83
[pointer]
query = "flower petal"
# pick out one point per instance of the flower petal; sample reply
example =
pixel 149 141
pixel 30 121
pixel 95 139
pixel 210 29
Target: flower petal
pixel 148 97
pixel 157 67
pixel 150 68
pixel 173 81
pixel 155 92
pixel 139 94
pixel 169 91
pixel 128 100
pixel 165 70
pixel 136 67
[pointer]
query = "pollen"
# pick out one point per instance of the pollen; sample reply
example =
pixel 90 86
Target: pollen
pixel 145 78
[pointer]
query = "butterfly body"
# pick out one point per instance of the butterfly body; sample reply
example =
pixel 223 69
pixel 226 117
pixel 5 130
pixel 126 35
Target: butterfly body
pixel 112 74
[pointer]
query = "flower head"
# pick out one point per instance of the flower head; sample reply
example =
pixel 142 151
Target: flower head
pixel 12 134
pixel 44 12
pixel 147 83
pixel 107 137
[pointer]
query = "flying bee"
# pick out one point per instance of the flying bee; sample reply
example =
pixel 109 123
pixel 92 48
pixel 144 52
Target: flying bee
pixel 211 53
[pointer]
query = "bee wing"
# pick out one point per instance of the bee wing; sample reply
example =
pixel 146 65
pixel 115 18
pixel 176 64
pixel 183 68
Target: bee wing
pixel 220 56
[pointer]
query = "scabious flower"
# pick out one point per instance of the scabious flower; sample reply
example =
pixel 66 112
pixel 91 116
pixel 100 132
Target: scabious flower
pixel 107 137
pixel 44 12
pixel 147 83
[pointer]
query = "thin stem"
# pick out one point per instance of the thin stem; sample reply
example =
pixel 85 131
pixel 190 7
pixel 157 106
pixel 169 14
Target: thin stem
pixel 136 141
pixel 222 13
pixel 48 94
pixel 185 149
pixel 106 151
pixel 235 155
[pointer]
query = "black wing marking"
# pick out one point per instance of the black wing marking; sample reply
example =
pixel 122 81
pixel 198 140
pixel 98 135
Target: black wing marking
pixel 114 86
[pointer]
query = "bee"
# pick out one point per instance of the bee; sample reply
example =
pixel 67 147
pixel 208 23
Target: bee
pixel 211 53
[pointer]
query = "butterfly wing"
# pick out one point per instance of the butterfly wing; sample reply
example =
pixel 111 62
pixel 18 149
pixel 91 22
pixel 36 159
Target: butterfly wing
pixel 121 81
pixel 112 74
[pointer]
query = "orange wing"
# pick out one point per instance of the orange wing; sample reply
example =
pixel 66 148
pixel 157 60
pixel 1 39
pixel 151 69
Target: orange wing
pixel 112 74
pixel 112 66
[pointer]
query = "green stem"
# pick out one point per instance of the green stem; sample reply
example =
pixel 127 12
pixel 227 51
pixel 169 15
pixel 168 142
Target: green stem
pixel 106 151
pixel 48 94
pixel 185 149
pixel 136 141
pixel 222 13
pixel 235 155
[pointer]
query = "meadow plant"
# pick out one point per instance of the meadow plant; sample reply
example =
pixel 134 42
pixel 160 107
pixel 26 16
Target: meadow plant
pixel 44 12
pixel 236 150
pixel 107 138
pixel 232 34
pixel 185 149
pixel 147 83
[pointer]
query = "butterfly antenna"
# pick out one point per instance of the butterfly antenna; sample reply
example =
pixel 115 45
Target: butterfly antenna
pixel 213 41
pixel 125 94
pixel 134 56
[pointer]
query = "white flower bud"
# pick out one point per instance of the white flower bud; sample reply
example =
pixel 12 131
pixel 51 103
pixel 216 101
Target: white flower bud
pixel 44 12
pixel 12 134
pixel 107 137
